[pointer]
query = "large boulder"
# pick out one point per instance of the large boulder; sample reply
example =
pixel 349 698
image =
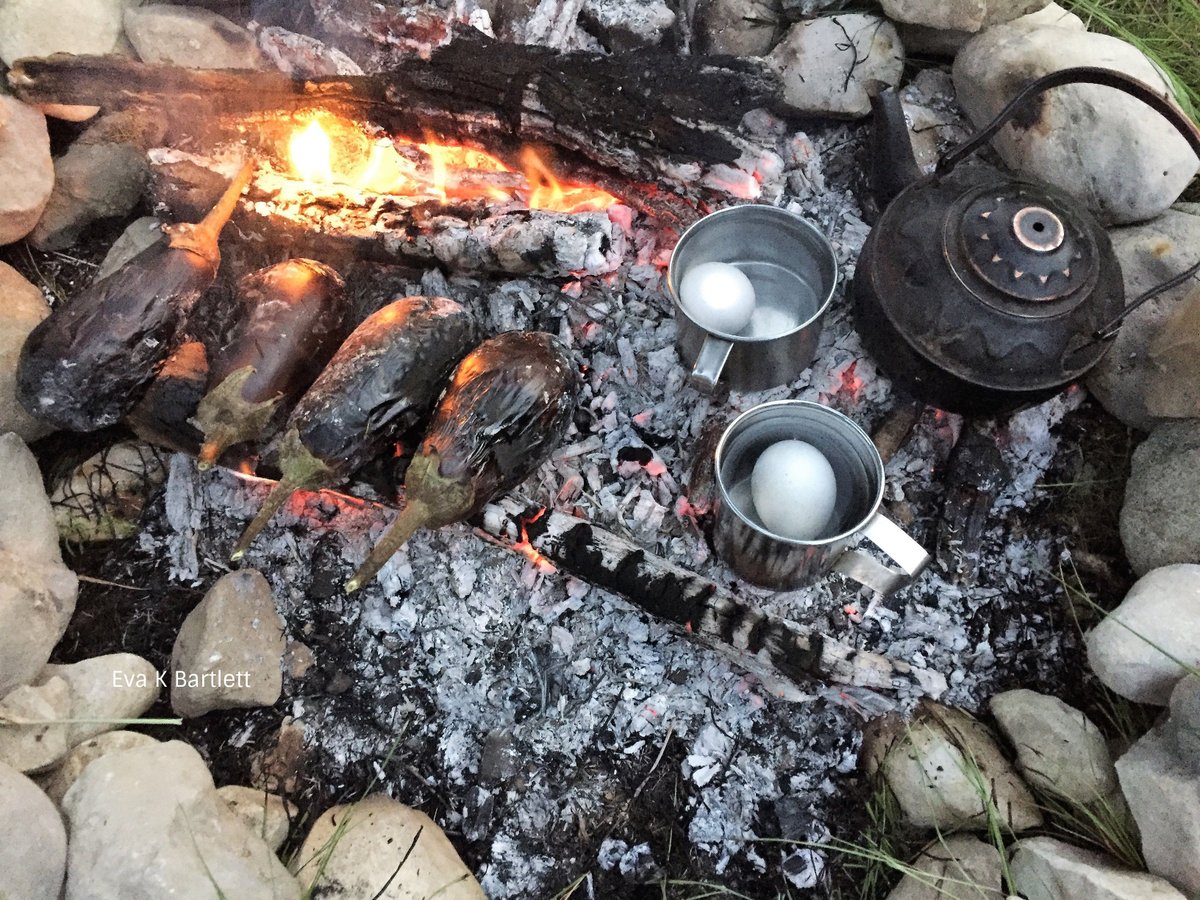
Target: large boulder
pixel 382 849
pixel 1060 751
pixel 946 866
pixel 147 823
pixel 1108 149
pixel 947 771
pixel 832 65
pixel 58 781
pixel 1047 869
pixel 1134 651
pixel 229 652
pixel 1160 520
pixel 1183 726
pixel 1163 791
pixel 739 27
pixel 33 842
pixel 37 592
pixel 268 815
pixel 93 181
pixel 38 28
pixel 1126 379
pixel 33 736
pixel 959 15
pixel 26 170
pixel 22 306
pixel 190 37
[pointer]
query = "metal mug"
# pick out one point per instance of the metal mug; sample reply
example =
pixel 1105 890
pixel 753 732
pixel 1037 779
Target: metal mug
pixel 780 563
pixel 794 271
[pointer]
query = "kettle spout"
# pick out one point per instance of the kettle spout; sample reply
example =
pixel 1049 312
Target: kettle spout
pixel 893 165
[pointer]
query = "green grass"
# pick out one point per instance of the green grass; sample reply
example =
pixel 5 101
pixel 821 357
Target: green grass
pixel 1167 31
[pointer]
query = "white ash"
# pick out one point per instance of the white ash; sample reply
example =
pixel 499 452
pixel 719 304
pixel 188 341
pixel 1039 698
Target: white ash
pixel 462 645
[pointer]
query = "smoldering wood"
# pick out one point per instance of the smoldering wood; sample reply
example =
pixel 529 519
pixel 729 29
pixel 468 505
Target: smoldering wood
pixel 784 653
pixel 648 117
pixel 464 236
pixel 709 613
pixel 974 478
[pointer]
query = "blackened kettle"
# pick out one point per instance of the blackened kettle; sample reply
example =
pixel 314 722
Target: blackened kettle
pixel 979 291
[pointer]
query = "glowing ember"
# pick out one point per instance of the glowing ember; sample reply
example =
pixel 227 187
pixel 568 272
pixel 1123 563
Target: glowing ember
pixel 334 152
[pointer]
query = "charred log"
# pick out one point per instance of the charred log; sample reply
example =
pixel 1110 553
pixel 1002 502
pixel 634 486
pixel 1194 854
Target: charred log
pixel 708 612
pixel 648 117
pixel 976 474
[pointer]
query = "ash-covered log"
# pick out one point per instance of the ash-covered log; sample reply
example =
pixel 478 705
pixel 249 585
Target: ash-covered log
pixel 651 117
pixel 708 612
pixel 342 225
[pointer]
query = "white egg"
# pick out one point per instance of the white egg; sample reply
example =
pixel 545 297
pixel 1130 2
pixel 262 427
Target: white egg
pixel 718 297
pixel 768 321
pixel 794 490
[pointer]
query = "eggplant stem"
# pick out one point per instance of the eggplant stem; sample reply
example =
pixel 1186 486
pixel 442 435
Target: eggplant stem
pixel 279 494
pixel 209 228
pixel 414 516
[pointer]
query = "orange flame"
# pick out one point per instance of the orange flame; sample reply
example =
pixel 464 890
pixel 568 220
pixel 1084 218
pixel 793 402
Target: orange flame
pixel 338 152
pixel 525 547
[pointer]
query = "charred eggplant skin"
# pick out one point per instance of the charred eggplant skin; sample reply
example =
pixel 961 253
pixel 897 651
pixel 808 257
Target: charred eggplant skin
pixel 506 410
pixel 86 365
pixel 163 415
pixel 509 404
pixel 296 315
pixel 383 380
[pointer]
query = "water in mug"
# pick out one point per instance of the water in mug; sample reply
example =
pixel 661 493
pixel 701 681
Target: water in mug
pixel 783 299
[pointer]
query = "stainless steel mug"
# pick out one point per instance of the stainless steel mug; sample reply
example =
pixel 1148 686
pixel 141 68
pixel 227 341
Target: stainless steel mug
pixel 780 563
pixel 794 272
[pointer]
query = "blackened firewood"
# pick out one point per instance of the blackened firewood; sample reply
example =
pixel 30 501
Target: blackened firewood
pixel 974 478
pixel 708 612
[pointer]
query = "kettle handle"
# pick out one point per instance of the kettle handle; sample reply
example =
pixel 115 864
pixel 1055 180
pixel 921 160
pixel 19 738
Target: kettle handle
pixel 1164 106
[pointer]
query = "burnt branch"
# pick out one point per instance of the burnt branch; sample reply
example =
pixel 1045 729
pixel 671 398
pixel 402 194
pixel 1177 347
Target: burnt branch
pixel 636 114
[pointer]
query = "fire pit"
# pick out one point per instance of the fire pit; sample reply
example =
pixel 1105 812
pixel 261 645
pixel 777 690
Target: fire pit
pixel 583 698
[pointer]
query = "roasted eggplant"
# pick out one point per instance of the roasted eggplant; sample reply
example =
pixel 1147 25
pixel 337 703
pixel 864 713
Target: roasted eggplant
pixel 295 315
pixel 382 382
pixel 507 408
pixel 163 415
pixel 88 363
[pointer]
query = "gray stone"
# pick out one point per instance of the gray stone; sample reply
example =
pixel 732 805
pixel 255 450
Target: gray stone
pixel 1047 869
pixel 38 28
pixel 627 24
pixel 1059 750
pixel 268 815
pixel 945 769
pixel 926 41
pixel 739 27
pixel 141 234
pixel 1163 792
pixel 1183 726
pixel 37 592
pixel 372 846
pixel 190 37
pixel 33 842
pixel 1149 254
pixel 947 866
pixel 1162 610
pixel 26 170
pixel 93 181
pixel 114 686
pixel 147 823
pixel 229 652
pixel 22 306
pixel 102 498
pixel 1108 149
pixel 57 781
pixel 833 64
pixel 1160 521
pixel 959 15
pixel 32 736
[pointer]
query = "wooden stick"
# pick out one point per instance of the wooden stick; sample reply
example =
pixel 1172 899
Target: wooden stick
pixel 708 612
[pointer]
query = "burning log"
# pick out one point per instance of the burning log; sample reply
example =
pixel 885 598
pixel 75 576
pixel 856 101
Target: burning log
pixel 648 120
pixel 337 224
pixel 708 612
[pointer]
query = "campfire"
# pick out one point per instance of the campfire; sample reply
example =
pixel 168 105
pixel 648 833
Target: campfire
pixel 401 448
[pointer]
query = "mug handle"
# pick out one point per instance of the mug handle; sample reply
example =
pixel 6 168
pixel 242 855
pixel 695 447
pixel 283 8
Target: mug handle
pixel 709 363
pixel 889 537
